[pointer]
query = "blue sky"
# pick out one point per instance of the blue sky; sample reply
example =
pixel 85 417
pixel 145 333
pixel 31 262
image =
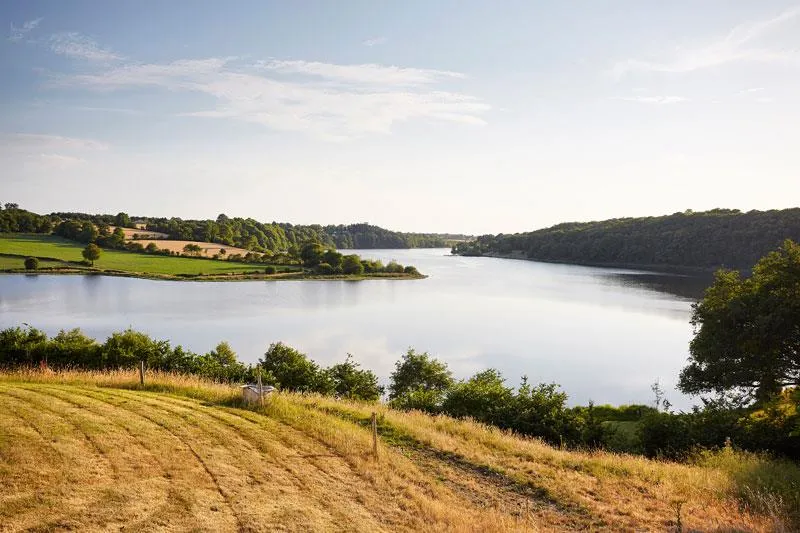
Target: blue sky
pixel 460 116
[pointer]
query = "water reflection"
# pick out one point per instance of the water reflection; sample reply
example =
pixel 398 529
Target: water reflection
pixel 689 287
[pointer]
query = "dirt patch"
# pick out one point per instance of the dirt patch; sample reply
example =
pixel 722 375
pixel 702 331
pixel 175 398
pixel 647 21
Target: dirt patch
pixel 142 233
pixel 208 249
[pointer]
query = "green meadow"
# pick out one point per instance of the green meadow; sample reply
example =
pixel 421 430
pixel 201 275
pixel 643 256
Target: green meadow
pixel 55 252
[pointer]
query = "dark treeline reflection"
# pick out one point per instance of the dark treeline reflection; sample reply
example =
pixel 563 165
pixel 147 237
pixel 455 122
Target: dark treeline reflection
pixel 690 287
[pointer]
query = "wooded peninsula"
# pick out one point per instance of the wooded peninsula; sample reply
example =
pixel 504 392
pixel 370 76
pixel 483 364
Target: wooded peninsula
pixel 228 249
pixel 720 238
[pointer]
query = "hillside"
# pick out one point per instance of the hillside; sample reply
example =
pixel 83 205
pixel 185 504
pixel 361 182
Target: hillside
pixel 92 451
pixel 703 240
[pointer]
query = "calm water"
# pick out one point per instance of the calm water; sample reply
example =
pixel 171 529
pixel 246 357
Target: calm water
pixel 603 334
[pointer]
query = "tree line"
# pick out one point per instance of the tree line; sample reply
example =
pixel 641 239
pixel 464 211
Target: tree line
pixel 422 382
pixel 708 240
pixel 262 237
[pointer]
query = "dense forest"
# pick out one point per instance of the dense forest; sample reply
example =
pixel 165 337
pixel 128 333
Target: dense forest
pixel 711 239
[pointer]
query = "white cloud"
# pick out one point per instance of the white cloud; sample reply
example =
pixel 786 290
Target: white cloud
pixel 19 33
pixel 375 41
pixel 42 142
pixel 743 43
pixel 47 152
pixel 326 100
pixel 76 45
pixel 367 74
pixel 60 160
pixel 657 100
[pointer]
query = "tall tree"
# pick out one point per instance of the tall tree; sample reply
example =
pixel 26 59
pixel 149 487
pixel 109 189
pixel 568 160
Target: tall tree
pixel 747 331
pixel 122 220
pixel 91 253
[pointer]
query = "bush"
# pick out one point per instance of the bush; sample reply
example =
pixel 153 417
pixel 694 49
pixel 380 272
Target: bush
pixel 325 269
pixel 351 264
pixel 270 270
pixel 347 380
pixel 421 399
pixel 411 270
pixel 289 369
pixel 393 268
pixel 31 263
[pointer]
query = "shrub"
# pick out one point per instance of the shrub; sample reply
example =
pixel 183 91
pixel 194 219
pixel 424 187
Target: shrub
pixel 270 270
pixel 351 264
pixel 31 263
pixel 393 268
pixel 325 269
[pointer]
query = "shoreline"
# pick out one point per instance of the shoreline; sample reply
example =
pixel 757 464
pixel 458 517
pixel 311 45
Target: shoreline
pixel 665 269
pixel 288 276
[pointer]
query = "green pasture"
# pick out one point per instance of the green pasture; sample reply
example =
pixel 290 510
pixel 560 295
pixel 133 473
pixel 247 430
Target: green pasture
pixel 56 248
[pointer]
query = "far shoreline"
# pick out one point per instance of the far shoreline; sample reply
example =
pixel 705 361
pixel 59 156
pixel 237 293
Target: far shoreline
pixel 654 268
pixel 212 278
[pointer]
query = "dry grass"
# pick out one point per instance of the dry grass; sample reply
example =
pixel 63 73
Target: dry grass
pixel 129 233
pixel 88 450
pixel 209 249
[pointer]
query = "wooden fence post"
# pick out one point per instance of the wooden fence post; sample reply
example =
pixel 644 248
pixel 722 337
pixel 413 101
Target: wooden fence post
pixel 374 435
pixel 141 372
pixel 260 390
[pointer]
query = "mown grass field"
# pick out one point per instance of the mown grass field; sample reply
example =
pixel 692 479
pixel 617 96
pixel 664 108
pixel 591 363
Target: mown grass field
pixel 92 451
pixel 50 246
pixel 7 263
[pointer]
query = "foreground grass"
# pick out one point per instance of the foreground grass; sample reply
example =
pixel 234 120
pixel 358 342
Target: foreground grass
pixel 187 455
pixel 64 256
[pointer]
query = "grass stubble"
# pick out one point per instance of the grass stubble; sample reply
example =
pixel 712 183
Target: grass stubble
pixel 95 450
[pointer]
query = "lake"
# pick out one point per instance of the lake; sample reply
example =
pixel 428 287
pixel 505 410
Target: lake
pixel 603 334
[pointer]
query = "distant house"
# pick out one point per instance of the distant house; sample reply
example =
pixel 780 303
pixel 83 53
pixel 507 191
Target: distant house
pixel 251 393
pixel 139 224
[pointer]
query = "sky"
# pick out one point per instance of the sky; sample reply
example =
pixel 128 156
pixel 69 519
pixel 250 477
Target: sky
pixel 447 116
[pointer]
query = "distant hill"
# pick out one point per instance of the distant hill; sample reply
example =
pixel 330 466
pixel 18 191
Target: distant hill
pixel 705 240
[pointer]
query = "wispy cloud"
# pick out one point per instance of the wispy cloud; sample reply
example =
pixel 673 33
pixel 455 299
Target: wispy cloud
pixel 369 74
pixel 325 100
pixel 47 151
pixel 35 142
pixel 19 33
pixel 375 41
pixel 656 100
pixel 76 45
pixel 60 160
pixel 743 43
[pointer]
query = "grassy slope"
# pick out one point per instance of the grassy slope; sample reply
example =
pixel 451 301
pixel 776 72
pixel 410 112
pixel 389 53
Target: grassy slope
pixel 57 248
pixel 89 451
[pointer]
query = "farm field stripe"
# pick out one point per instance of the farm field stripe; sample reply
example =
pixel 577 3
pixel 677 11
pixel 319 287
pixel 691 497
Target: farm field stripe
pixel 64 416
pixel 188 446
pixel 187 485
pixel 229 435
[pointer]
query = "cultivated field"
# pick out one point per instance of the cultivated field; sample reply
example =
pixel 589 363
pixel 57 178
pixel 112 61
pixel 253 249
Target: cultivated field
pixel 93 451
pixel 129 233
pixel 209 248
pixel 52 247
